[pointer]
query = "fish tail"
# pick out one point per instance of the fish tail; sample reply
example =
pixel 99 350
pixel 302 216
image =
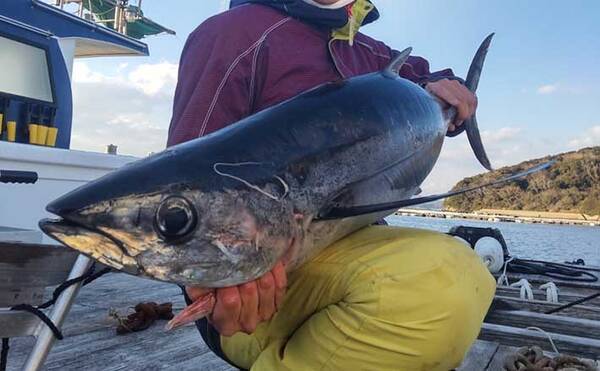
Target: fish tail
pixel 472 83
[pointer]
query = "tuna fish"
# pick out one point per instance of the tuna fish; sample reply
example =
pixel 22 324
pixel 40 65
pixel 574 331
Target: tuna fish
pixel 281 184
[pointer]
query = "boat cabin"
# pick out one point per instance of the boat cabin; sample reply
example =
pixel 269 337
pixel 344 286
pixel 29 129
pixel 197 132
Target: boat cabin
pixel 38 43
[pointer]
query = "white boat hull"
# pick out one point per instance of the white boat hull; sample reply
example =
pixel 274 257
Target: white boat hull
pixel 59 171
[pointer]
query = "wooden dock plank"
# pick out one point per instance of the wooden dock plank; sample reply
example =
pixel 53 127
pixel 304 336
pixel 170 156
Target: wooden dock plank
pixel 537 280
pixel 479 356
pixel 578 311
pixel 547 322
pixel 565 296
pixel 497 362
pixel 518 337
pixel 91 343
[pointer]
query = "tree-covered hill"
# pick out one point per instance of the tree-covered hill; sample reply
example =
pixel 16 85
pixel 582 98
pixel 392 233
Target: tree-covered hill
pixel 571 185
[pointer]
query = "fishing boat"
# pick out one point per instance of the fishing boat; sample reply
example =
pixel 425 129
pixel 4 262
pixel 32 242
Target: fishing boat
pixel 38 44
pixel 39 41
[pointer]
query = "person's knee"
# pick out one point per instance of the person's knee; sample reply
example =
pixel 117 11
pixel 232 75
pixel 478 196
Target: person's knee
pixel 431 289
pixel 470 288
pixel 462 305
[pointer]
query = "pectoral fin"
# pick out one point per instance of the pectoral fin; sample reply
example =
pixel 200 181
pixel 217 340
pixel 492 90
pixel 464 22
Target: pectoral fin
pixel 345 212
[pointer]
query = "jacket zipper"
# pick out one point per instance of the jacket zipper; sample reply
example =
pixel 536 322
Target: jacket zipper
pixel 337 68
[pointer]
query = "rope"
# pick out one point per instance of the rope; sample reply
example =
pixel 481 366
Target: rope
pixel 534 359
pixel 576 302
pixel 526 293
pixel 548 336
pixel 503 278
pixel 551 292
pixel 87 278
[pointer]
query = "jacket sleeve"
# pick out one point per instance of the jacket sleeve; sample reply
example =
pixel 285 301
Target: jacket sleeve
pixel 416 69
pixel 213 88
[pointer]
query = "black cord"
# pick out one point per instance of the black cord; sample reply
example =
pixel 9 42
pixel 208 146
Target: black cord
pixel 65 285
pixel 42 316
pixel 576 302
pixel 4 354
pixel 87 278
pixel 567 266
pixel 96 275
pixel 553 270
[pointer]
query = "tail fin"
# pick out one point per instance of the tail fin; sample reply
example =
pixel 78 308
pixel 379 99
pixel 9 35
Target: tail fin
pixel 472 83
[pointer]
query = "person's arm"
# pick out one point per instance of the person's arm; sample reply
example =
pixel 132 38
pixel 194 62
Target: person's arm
pixel 214 89
pixel 416 69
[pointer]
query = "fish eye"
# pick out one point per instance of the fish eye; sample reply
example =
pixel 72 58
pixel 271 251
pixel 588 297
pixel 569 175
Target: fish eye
pixel 175 218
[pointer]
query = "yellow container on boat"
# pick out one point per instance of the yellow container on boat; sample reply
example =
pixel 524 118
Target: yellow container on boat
pixel 51 137
pixel 42 134
pixel 1 122
pixel 11 129
pixel 33 129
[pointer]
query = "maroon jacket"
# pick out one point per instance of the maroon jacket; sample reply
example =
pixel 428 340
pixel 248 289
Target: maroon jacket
pixel 252 57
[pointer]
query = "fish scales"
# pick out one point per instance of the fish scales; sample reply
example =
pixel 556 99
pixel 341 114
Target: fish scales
pixel 225 208
pixel 257 186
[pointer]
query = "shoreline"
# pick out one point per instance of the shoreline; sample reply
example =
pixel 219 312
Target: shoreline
pixel 504 216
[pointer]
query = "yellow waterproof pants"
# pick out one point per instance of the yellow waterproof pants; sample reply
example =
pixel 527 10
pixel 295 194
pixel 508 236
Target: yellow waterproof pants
pixel 383 298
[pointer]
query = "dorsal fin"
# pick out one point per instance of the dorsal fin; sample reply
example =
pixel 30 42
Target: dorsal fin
pixel 394 68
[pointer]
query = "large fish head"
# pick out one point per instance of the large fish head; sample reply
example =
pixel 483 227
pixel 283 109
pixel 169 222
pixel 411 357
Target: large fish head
pixel 176 232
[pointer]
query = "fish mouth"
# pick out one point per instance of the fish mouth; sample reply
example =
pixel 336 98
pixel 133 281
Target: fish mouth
pixel 91 242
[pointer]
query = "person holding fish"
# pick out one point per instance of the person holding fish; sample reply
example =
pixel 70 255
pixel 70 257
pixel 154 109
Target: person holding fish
pixel 381 298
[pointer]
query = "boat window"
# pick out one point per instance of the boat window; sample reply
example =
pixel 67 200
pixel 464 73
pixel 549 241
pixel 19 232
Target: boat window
pixel 24 71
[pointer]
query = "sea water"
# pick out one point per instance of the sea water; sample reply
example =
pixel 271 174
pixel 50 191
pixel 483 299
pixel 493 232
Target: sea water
pixel 551 242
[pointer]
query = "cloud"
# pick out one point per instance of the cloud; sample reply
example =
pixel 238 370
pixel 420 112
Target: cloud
pixel 547 89
pixel 83 74
pixel 504 134
pixel 152 79
pixel 122 66
pixel 129 107
pixel 590 137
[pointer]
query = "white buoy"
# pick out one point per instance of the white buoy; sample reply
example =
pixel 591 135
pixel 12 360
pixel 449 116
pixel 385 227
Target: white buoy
pixel 490 251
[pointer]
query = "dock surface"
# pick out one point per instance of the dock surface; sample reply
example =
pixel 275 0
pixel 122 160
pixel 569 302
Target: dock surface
pixel 91 343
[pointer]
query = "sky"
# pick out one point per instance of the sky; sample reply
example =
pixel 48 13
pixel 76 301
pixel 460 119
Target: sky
pixel 539 93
